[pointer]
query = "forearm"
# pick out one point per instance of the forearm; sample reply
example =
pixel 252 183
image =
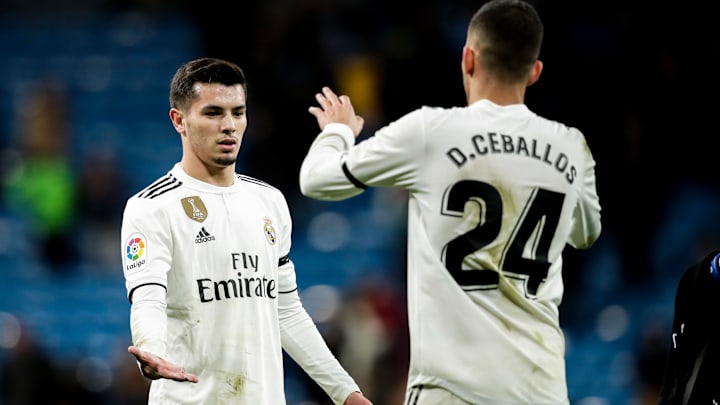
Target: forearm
pixel 148 320
pixel 321 174
pixel 587 219
pixel 304 343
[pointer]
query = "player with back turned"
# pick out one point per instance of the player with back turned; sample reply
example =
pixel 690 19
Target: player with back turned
pixel 496 192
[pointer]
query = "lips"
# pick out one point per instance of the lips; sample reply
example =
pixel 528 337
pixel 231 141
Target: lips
pixel 227 141
pixel 227 145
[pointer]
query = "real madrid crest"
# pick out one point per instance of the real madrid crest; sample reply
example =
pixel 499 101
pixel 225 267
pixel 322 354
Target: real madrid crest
pixel 269 231
pixel 194 208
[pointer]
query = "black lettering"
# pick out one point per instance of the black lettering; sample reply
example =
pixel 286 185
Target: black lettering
pixel 546 157
pixel 270 289
pixel 234 260
pixel 242 287
pixel 493 142
pixel 561 162
pixel 259 286
pixel 457 156
pixel 248 288
pixel 202 288
pixel 534 149
pixel 507 144
pixel 225 287
pixel 253 263
pixel 570 175
pixel 241 294
pixel 522 146
pixel 478 141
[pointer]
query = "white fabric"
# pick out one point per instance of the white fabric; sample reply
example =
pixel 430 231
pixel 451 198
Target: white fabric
pixel 218 252
pixel 148 320
pixel 495 194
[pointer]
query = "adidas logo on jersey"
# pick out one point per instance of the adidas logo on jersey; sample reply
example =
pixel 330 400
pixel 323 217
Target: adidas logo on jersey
pixel 203 236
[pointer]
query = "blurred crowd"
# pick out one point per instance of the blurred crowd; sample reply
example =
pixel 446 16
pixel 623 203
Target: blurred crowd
pixel 627 74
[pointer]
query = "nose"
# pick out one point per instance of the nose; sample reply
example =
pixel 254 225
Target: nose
pixel 228 124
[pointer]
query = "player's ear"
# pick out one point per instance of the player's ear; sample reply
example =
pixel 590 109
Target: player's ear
pixel 535 72
pixel 468 60
pixel 178 120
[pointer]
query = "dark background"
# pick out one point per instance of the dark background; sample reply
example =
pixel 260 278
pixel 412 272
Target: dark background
pixel 83 125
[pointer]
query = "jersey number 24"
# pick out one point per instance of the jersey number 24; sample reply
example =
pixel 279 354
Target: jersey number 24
pixel 542 212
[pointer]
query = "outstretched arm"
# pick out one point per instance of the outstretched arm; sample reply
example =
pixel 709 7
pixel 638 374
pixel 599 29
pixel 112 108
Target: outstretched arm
pixel 306 346
pixel 303 342
pixel 147 325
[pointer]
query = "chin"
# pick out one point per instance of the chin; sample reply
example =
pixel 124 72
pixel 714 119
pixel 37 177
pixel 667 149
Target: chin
pixel 225 161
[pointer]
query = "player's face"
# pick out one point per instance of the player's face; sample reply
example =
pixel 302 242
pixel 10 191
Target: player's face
pixel 215 123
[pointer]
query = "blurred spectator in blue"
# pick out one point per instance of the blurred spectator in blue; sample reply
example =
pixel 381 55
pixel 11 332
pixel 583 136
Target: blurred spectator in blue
pixel 40 187
pixel 101 190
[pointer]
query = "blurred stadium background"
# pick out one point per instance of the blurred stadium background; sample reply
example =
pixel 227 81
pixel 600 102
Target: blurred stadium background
pixel 83 125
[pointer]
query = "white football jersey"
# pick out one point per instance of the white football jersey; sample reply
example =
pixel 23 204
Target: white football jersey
pixel 495 194
pixel 221 253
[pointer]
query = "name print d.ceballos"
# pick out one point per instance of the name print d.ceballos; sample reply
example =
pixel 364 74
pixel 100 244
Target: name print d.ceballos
pixel 243 286
pixel 500 143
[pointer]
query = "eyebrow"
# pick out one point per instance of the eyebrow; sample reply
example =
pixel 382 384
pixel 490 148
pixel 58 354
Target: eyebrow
pixel 213 107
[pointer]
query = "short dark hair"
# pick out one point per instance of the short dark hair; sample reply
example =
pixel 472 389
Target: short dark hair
pixel 510 35
pixel 203 70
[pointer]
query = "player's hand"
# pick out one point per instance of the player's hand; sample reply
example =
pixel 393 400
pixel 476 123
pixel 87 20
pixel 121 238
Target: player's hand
pixel 334 108
pixel 154 367
pixel 357 398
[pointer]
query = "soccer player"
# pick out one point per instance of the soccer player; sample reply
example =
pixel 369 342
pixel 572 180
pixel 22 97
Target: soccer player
pixel 495 194
pixel 693 359
pixel 207 267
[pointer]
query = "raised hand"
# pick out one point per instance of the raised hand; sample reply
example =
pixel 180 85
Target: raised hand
pixel 334 108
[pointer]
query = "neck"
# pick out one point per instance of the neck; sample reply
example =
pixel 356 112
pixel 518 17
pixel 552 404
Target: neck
pixel 497 92
pixel 221 176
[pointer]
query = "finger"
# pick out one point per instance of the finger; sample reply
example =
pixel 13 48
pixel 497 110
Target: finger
pixel 330 95
pixel 345 100
pixel 316 111
pixel 324 102
pixel 136 352
pixel 179 374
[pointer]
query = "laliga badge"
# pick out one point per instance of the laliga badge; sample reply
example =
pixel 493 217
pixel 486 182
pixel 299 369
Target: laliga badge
pixel 135 254
pixel 194 208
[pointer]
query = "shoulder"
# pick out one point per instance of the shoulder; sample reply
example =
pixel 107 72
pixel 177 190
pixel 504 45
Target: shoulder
pixel 259 187
pixel 257 184
pixel 563 132
pixel 422 112
pixel 269 195
pixel 560 128
pixel 158 191
pixel 428 112
pixel 414 121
